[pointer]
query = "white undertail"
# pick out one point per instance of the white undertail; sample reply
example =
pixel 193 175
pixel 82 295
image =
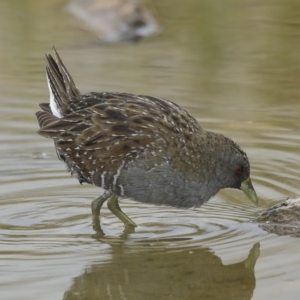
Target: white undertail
pixel 54 109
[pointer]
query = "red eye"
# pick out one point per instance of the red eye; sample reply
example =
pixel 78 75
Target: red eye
pixel 238 169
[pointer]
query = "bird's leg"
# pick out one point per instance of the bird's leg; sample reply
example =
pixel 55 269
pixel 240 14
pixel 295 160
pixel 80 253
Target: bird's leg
pixel 97 203
pixel 114 207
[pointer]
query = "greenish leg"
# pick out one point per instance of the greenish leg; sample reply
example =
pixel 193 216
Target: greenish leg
pixel 114 207
pixel 97 203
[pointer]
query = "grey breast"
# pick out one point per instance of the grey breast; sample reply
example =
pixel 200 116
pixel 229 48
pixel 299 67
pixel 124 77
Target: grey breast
pixel 161 185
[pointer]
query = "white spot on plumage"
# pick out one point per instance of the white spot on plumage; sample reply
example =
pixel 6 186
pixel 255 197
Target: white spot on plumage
pixel 118 135
pixel 118 173
pixel 103 179
pixel 54 109
pixel 122 189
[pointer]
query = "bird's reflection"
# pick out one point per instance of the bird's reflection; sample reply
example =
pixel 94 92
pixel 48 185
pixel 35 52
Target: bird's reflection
pixel 100 235
pixel 150 273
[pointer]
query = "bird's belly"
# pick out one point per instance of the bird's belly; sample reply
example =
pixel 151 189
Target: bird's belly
pixel 162 186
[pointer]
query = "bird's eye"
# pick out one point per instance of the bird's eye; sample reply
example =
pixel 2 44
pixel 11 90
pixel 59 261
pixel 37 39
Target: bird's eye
pixel 238 169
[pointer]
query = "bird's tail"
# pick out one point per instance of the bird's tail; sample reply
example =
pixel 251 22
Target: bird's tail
pixel 63 90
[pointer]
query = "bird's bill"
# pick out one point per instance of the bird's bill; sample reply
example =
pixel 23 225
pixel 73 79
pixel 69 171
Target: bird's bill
pixel 248 189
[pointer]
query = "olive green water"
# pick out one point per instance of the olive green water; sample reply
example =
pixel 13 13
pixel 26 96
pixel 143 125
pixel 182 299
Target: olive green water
pixel 235 65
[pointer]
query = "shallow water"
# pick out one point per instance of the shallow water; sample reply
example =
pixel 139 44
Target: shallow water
pixel 236 67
